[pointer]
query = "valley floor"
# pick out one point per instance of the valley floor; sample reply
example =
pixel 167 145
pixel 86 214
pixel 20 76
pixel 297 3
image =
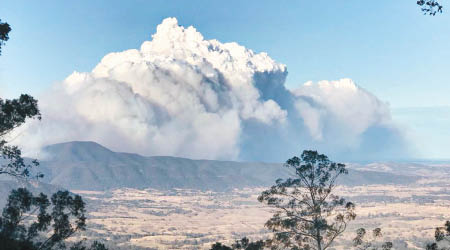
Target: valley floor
pixel 188 219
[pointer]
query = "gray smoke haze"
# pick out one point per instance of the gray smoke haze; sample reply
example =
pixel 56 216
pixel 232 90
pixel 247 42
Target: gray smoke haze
pixel 181 95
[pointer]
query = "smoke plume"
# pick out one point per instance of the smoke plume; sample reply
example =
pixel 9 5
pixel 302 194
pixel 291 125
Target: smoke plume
pixel 182 95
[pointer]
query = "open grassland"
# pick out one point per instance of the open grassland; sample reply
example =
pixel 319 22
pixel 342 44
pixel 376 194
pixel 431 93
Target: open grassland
pixel 188 219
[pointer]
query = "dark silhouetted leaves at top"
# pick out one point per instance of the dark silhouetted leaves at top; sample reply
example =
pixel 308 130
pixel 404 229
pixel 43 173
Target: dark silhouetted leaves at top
pixel 308 215
pixel 4 33
pixel 27 224
pixel 430 7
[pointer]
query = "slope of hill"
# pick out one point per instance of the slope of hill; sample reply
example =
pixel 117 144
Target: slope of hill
pixel 90 166
pixel 9 183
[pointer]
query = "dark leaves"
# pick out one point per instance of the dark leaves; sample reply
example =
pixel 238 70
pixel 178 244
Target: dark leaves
pixel 14 164
pixel 440 234
pixel 20 224
pixel 430 7
pixel 432 246
pixel 362 242
pixel 4 34
pixel 65 206
pixel 13 113
pixel 220 246
pixel 387 245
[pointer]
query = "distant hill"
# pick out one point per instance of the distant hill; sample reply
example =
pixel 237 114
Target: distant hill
pixel 8 183
pixel 90 166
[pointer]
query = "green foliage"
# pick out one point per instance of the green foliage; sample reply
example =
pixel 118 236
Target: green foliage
pixel 26 223
pixel 441 234
pixel 308 215
pixel 13 113
pixel 242 244
pixel 361 242
pixel 4 33
pixel 432 246
pixel 430 7
pixel 220 246
pixel 246 244
pixel 94 246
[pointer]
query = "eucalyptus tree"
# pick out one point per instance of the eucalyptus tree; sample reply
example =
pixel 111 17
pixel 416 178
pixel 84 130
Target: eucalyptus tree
pixel 308 214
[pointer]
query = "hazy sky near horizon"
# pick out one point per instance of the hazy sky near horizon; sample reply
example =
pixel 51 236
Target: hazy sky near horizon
pixel 386 47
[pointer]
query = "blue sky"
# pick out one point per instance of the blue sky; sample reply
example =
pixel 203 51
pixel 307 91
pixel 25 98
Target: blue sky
pixel 387 47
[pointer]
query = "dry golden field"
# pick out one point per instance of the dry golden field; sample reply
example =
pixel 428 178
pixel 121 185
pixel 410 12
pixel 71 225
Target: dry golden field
pixel 189 219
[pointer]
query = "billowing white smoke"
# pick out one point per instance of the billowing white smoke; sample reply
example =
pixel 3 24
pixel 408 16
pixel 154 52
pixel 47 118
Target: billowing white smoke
pixel 348 119
pixel 185 96
pixel 341 104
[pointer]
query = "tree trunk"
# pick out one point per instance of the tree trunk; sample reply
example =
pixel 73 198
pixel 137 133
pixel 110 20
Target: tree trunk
pixel 319 240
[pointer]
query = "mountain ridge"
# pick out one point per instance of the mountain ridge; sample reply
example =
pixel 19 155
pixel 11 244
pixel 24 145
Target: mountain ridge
pixel 87 165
